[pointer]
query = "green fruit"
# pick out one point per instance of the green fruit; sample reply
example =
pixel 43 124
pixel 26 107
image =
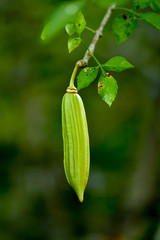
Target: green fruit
pixel 75 142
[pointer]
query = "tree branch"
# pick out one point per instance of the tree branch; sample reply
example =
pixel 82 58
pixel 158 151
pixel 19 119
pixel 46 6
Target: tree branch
pixel 90 51
pixel 98 34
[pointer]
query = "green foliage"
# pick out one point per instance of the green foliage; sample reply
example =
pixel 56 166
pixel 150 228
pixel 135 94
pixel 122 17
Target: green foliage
pixel 117 64
pixel 70 29
pixel 151 18
pixel 60 17
pixel 123 26
pixel 86 77
pixel 73 42
pixel 107 88
pixel 140 4
pixel 155 5
pixel 70 16
pixel 77 24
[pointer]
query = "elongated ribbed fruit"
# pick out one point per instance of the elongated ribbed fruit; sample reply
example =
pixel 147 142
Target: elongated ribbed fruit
pixel 75 142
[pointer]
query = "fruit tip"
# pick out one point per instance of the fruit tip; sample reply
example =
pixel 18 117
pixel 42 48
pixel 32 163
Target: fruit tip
pixel 81 200
pixel 80 197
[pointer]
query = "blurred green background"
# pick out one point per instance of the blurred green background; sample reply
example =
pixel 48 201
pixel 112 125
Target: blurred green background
pixel 122 198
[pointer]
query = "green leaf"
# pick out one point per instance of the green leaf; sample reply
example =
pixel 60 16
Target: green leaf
pixel 77 24
pixel 86 77
pixel 151 18
pixel 140 4
pixel 80 22
pixel 60 17
pixel 155 5
pixel 123 26
pixel 117 64
pixel 73 42
pixel 70 29
pixel 107 88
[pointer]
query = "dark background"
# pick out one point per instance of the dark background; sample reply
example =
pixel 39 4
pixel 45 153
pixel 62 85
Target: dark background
pixel 122 199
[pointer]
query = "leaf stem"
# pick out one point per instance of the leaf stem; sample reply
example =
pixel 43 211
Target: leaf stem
pixel 121 8
pixel 125 9
pixel 90 29
pixel 92 55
